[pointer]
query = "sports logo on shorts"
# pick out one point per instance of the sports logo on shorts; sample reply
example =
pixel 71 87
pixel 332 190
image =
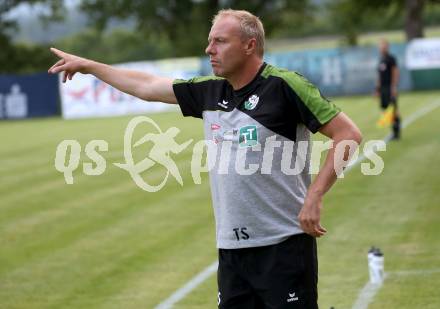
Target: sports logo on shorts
pixel 251 102
pixel 292 297
pixel 248 136
pixel 219 300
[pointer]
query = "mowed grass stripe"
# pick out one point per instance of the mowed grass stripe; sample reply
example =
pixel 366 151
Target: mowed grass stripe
pixel 52 181
pixel 155 276
pixel 107 248
pixel 54 213
pixel 44 153
pixel 37 206
pixel 66 241
pixel 39 172
pixel 34 197
pixel 69 221
pixel 165 213
pixel 26 143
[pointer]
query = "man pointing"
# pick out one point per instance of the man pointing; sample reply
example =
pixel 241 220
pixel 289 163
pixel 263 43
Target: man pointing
pixel 266 223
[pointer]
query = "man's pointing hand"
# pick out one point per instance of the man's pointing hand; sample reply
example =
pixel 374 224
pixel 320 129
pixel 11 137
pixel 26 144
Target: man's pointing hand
pixel 69 64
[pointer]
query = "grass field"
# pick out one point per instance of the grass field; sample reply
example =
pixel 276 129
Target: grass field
pixel 104 243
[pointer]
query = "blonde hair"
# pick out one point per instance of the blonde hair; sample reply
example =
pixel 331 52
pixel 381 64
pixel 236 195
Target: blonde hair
pixel 251 26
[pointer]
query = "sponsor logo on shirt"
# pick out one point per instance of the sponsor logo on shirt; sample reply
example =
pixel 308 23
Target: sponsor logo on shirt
pixel 251 102
pixel 248 136
pixel 230 134
pixel 215 126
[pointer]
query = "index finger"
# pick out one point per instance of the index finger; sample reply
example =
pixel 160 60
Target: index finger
pixel 58 52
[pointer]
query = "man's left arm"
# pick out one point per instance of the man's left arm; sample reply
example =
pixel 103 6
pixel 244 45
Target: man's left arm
pixel 339 129
pixel 395 75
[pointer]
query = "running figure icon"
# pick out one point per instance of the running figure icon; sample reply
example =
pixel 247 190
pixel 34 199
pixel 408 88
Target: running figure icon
pixel 163 144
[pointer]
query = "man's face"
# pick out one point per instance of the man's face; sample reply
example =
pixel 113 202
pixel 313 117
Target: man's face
pixel 226 49
pixel 383 47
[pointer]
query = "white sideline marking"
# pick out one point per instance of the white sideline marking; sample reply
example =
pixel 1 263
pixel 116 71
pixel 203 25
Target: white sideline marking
pixel 366 295
pixel 211 269
pixel 188 287
pixel 419 272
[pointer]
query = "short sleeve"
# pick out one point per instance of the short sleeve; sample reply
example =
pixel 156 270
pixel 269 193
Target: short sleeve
pixel 393 62
pixel 192 94
pixel 312 109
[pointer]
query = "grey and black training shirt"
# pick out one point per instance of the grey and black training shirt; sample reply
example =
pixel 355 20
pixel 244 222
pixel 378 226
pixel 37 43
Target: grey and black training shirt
pixel 256 202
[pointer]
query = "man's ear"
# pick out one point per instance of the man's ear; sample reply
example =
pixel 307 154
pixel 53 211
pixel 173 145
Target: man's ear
pixel 251 45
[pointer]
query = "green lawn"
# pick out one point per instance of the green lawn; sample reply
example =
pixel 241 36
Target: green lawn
pixel 104 243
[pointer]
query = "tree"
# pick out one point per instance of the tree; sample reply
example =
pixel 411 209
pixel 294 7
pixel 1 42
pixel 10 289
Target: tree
pixel 414 20
pixel 165 28
pixel 22 58
pixel 352 15
pixel 185 23
pixel 107 46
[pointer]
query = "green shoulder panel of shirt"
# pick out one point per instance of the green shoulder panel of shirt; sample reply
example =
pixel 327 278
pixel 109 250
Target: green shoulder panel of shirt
pixel 198 79
pixel 309 94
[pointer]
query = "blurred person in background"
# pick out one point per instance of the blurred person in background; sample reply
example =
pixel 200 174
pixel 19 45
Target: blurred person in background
pixel 386 88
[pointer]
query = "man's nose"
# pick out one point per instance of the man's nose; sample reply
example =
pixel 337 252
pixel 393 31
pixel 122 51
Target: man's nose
pixel 209 49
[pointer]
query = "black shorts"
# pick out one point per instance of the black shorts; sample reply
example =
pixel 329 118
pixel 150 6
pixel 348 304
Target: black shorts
pixel 386 98
pixel 279 276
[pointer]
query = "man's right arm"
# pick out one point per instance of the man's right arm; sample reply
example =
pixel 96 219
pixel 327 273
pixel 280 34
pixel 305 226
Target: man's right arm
pixel 395 74
pixel 378 85
pixel 139 84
